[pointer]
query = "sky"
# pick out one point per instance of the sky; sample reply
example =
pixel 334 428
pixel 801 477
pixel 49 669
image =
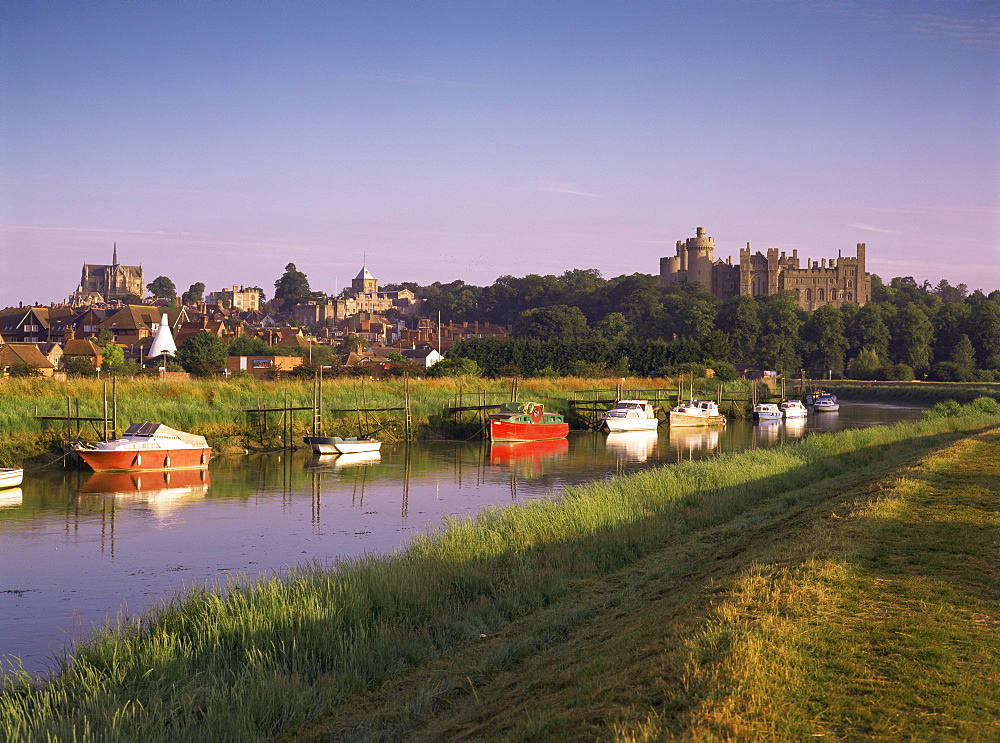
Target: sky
pixel 216 141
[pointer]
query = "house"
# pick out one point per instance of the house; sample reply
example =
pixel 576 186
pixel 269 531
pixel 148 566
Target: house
pixel 31 324
pixel 26 354
pixel 135 322
pixel 263 366
pixel 77 348
pixel 426 356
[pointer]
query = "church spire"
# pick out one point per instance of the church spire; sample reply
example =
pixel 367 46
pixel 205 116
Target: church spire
pixel 114 258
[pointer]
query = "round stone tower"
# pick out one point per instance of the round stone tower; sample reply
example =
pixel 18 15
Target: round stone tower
pixel 700 252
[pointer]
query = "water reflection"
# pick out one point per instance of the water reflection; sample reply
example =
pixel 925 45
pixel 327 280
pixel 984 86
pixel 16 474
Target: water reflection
pixel 634 446
pixel 767 432
pixel 686 443
pixel 11 497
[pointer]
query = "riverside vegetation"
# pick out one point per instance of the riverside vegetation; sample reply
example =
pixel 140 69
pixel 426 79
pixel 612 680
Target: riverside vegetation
pixel 843 585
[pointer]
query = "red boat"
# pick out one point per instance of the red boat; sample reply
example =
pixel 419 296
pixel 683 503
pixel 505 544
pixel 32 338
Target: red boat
pixel 526 421
pixel 147 446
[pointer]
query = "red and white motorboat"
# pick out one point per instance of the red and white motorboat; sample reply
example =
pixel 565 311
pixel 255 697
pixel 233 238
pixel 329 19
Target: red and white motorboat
pixel 147 446
pixel 526 421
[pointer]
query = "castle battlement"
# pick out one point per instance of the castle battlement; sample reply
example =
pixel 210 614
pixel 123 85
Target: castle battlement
pixel 833 281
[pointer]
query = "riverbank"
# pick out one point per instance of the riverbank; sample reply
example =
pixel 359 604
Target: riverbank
pixel 600 615
pixel 216 408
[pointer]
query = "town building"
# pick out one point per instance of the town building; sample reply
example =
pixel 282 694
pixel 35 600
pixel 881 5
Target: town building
pixel 362 296
pixel 834 281
pixel 99 283
pixel 237 298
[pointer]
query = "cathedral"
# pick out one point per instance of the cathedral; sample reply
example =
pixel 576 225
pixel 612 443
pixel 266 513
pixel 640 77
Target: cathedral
pixel 108 283
pixel 834 281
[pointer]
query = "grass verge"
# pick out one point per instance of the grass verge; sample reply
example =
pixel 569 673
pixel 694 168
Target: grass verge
pixel 602 614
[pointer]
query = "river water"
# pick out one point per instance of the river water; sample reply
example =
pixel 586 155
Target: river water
pixel 78 548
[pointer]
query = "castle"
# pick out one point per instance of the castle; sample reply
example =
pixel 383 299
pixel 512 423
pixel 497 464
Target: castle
pixel 833 281
pixel 363 296
pixel 108 283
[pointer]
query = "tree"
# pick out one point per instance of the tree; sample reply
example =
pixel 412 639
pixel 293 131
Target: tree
pixel 248 345
pixel 985 335
pixel 825 341
pixel 203 354
pixel 195 294
pixel 912 334
pixel 114 358
pixel 162 287
pixel 455 367
pixel 613 328
pixel 865 366
pixel 556 322
pixel 867 329
pixel 739 318
pixel 291 288
pixel 781 320
pixel 80 366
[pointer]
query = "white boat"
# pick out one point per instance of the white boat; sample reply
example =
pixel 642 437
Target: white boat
pixel 631 415
pixel 794 409
pixel 697 413
pixel 767 411
pixel 342 445
pixel 11 477
pixel 826 404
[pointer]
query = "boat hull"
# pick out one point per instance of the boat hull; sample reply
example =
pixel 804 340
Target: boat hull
pixel 504 430
pixel 145 460
pixel 830 407
pixel 688 419
pixel 11 477
pixel 622 425
pixel 338 445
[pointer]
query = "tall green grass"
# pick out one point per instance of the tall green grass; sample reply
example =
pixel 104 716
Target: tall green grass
pixel 250 661
pixel 215 408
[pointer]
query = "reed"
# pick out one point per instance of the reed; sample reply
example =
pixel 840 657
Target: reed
pixel 214 408
pixel 255 660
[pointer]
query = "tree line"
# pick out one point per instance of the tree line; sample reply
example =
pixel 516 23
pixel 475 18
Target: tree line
pixel 635 324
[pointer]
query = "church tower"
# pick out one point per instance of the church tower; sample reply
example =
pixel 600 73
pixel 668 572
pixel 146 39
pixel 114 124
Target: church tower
pixel 364 283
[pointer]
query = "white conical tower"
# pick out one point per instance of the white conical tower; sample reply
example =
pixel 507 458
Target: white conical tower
pixel 163 342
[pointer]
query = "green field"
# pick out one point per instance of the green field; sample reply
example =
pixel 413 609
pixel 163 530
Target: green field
pixel 844 586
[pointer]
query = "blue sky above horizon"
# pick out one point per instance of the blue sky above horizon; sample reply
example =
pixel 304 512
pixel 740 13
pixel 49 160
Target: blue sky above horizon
pixel 217 141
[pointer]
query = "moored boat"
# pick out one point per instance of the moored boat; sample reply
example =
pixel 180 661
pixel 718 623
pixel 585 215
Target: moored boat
pixel 525 421
pixel 342 445
pixel 697 413
pixel 767 411
pixel 631 415
pixel 147 446
pixel 11 477
pixel 794 409
pixel 826 403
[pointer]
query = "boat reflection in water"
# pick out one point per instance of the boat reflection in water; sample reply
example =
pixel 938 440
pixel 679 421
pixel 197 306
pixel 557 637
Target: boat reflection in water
pixel 767 431
pixel 163 490
pixel 323 461
pixel 10 497
pixel 635 446
pixel 528 457
pixel 686 442
pixel 795 427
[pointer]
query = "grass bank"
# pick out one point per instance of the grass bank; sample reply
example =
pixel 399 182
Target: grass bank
pixel 214 408
pixel 615 611
pixel 913 392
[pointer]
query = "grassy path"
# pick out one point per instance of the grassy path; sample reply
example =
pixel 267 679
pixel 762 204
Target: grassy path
pixel 867 607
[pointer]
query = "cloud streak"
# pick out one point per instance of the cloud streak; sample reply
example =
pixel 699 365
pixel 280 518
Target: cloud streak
pixel 873 228
pixel 573 189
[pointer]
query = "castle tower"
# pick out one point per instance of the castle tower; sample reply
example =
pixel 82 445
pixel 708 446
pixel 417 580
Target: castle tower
pixel 364 283
pixel 700 250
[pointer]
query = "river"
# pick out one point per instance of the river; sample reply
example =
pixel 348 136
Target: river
pixel 78 549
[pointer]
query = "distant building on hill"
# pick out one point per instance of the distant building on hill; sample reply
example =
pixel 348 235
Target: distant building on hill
pixel 833 281
pixel 114 282
pixel 363 296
